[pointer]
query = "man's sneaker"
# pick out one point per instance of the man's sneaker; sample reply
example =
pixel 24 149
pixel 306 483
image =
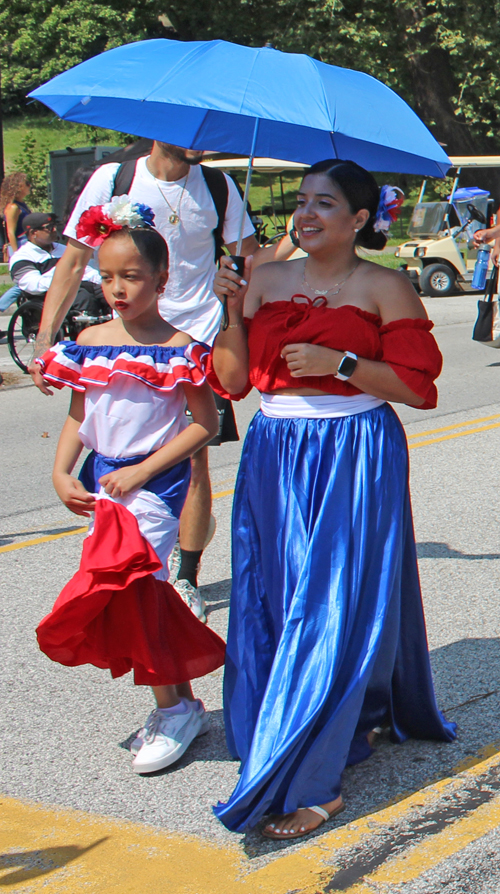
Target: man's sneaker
pixel 167 736
pixel 174 563
pixel 197 706
pixel 193 599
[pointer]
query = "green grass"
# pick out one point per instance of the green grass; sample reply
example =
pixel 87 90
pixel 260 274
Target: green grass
pixel 50 133
pixel 4 287
pixel 4 269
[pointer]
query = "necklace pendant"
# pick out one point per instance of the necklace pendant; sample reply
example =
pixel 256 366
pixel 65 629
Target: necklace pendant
pixel 174 218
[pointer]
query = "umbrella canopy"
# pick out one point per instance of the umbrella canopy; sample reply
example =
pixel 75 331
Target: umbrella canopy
pixel 230 98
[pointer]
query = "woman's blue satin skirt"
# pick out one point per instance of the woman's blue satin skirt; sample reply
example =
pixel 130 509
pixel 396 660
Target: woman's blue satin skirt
pixel 326 633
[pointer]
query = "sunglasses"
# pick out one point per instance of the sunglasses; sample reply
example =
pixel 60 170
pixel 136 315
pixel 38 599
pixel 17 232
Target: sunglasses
pixel 48 228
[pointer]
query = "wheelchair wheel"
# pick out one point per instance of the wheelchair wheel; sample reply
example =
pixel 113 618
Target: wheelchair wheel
pixel 22 332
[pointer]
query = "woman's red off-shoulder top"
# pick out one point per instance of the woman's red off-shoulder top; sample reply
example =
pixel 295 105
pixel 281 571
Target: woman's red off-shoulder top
pixel 407 346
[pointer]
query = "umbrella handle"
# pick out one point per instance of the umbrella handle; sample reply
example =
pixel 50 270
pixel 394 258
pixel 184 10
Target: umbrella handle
pixel 240 263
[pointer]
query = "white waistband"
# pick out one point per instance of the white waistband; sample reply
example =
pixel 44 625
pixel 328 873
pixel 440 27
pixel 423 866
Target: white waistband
pixel 329 406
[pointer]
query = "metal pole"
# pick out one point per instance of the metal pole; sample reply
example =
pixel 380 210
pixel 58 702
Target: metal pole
pixel 247 185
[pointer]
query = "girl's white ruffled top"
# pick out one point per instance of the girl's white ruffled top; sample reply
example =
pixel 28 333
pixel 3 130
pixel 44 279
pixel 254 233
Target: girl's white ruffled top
pixel 126 413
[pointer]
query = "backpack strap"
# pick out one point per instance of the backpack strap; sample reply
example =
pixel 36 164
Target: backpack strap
pixel 219 190
pixel 124 178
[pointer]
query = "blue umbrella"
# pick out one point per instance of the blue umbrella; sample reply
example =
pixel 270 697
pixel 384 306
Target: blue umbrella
pixel 230 98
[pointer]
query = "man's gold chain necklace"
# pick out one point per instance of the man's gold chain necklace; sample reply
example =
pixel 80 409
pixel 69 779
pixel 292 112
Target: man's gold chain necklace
pixel 175 216
pixel 329 291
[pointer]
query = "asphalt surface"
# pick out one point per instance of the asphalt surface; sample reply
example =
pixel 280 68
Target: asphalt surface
pixel 65 731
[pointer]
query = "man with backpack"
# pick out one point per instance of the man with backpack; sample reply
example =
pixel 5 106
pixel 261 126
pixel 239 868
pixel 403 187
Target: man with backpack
pixel 197 210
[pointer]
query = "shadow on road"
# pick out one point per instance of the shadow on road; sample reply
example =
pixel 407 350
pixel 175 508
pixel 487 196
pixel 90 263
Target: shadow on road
pixel 435 550
pixel 35 864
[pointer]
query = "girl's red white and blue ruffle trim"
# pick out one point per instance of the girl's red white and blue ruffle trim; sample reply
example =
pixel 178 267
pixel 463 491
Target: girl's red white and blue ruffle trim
pixel 161 368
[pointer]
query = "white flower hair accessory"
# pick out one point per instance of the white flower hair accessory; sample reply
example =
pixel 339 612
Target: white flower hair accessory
pixel 389 208
pixel 123 211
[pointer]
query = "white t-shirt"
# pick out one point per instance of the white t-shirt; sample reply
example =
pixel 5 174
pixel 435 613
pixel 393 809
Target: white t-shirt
pixel 188 302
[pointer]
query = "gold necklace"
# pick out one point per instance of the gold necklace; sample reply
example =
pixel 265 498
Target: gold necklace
pixel 326 291
pixel 175 217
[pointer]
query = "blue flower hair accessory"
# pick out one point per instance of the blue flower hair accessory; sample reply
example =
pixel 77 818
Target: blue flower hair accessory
pixel 389 208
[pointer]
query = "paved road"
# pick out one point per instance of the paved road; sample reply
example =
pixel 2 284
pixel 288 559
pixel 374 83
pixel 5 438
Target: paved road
pixel 66 730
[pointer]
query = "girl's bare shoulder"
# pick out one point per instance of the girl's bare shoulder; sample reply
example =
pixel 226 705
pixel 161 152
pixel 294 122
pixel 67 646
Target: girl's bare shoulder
pixel 104 334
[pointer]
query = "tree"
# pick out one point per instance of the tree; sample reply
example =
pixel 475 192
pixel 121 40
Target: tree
pixel 42 39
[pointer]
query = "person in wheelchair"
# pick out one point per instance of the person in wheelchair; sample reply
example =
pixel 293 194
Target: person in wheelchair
pixel 32 266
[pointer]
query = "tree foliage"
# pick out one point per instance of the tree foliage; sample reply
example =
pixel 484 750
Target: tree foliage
pixel 39 40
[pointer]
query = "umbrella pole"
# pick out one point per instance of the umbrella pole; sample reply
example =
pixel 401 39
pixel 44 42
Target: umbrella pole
pixel 237 257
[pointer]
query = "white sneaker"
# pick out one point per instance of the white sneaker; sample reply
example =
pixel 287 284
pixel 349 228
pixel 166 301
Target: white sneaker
pixel 193 599
pixel 167 736
pixel 197 706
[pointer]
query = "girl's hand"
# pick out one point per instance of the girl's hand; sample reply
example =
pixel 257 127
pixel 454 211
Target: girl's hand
pixel 311 360
pixel 73 494
pixel 228 284
pixel 123 481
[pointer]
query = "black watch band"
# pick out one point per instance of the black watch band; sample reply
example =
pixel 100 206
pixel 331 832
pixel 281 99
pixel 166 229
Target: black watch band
pixel 346 366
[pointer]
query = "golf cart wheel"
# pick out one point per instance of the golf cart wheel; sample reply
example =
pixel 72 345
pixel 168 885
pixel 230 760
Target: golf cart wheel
pixel 437 280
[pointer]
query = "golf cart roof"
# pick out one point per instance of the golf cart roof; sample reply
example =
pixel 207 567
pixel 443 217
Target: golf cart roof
pixel 475 161
pixel 273 165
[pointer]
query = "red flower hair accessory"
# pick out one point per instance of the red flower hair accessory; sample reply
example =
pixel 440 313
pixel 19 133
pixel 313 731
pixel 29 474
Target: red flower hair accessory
pixel 94 226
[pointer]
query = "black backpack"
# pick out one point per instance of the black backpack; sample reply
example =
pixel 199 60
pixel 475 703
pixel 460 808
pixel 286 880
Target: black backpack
pixel 217 186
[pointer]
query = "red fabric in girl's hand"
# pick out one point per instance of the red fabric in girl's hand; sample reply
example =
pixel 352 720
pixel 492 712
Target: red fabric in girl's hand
pixel 114 614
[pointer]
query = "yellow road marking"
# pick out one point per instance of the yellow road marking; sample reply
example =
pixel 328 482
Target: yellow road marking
pixel 459 434
pixel 46 539
pixel 75 852
pixel 434 431
pixel 424 856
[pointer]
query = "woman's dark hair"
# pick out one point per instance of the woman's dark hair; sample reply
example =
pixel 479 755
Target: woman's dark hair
pixel 149 243
pixel 361 191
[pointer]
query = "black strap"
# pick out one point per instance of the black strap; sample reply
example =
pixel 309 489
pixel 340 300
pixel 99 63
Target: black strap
pixel 124 178
pixel 491 284
pixel 219 190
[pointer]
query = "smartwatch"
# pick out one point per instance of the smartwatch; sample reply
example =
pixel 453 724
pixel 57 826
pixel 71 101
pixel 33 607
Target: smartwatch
pixel 346 366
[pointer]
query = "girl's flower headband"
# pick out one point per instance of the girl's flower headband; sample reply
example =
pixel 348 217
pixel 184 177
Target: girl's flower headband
pixel 389 208
pixel 100 220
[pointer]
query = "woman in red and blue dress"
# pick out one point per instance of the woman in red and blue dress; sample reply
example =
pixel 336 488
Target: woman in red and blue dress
pixel 132 380
pixel 326 635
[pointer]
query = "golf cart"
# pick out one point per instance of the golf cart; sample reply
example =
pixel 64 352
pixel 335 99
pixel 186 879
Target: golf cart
pixel 440 255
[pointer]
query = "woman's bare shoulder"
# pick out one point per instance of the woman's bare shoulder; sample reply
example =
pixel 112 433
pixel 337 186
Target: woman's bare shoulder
pixel 392 292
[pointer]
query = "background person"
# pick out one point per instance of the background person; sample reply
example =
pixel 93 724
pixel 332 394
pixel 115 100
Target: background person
pixel 33 265
pixel 326 631
pixel 171 182
pixel 15 188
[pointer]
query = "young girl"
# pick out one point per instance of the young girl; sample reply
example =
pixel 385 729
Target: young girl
pixel 131 380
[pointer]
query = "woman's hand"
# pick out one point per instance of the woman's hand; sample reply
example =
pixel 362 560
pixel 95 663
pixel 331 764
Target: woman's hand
pixel 481 236
pixel 227 284
pixel 73 494
pixel 122 482
pixel 311 360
